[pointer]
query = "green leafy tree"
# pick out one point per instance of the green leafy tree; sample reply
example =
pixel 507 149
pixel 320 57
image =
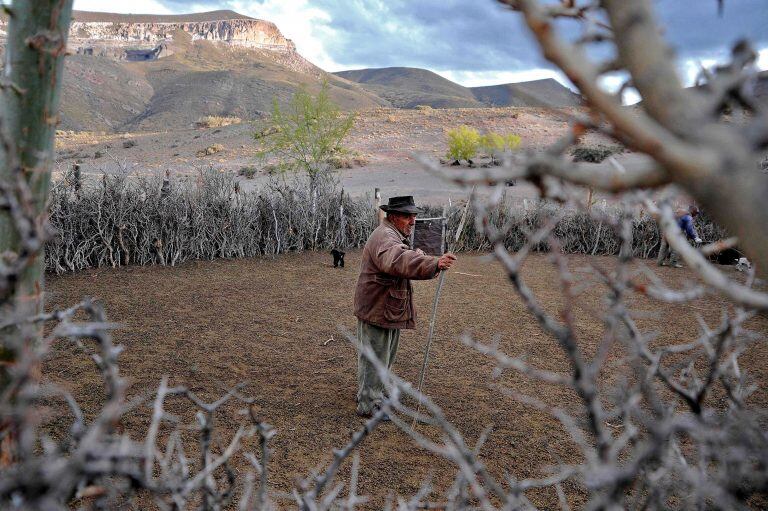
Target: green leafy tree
pixel 512 141
pixel 492 144
pixel 307 133
pixel 463 143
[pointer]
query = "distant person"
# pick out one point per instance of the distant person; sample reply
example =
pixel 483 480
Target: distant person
pixel 384 295
pixel 685 220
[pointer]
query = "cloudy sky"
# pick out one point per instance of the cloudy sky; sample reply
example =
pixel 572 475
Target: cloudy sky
pixel 473 42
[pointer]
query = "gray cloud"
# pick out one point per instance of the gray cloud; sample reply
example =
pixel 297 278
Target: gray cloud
pixel 479 35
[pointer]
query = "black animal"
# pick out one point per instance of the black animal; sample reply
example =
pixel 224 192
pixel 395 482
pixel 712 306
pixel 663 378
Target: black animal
pixel 729 256
pixel 338 258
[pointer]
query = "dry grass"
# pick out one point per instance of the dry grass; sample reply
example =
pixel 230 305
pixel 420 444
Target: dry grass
pixel 211 149
pixel 348 161
pixel 215 121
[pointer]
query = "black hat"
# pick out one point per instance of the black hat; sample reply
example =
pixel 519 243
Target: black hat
pixel 404 204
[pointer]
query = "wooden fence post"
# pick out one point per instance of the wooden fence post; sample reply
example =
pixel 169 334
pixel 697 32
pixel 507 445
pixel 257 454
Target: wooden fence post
pixel 379 212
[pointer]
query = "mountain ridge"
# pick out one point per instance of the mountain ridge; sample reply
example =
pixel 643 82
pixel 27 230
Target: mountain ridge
pixel 408 87
pixel 146 71
pixel 111 17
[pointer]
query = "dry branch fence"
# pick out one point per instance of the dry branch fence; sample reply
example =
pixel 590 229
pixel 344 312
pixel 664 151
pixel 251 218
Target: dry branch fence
pixel 117 221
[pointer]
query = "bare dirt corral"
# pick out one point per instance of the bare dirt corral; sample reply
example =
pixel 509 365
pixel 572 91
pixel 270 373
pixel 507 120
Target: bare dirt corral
pixel 211 325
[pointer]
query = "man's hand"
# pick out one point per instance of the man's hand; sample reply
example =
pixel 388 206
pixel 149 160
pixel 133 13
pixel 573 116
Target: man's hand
pixel 446 261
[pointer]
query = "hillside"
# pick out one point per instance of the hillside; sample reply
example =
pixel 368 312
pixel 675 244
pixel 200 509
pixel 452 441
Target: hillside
pixel 131 72
pixel 100 94
pixel 546 92
pixel 406 87
pixel 198 78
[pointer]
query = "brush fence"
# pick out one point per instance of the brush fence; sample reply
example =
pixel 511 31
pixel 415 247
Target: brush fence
pixel 117 221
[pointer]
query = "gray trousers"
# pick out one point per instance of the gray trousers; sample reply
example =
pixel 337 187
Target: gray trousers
pixel 383 342
pixel 666 252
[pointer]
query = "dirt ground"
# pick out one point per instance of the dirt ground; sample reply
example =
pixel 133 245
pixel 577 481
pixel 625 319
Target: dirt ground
pixel 387 137
pixel 274 324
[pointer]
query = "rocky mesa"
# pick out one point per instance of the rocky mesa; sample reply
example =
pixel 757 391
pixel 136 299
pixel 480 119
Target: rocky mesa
pixel 146 37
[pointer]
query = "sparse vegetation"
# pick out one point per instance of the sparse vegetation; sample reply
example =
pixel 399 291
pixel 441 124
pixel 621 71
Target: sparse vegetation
pixel 214 121
pixel 348 160
pixel 211 149
pixel 127 144
pixel 494 144
pixel 595 154
pixel 463 143
pixel 306 134
pixel 248 172
pixel 269 130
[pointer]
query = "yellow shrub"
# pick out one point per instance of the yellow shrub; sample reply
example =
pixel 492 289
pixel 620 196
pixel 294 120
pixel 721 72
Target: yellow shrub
pixel 213 121
pixel 463 143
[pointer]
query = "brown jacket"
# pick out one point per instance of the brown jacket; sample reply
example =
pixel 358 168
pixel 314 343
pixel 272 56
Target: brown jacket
pixel 384 295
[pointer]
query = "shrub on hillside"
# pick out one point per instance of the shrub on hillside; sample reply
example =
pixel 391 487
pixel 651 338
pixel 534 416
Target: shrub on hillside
pixel 248 172
pixel 512 141
pixel 214 121
pixel 211 149
pixel 347 160
pixel 595 154
pixel 307 134
pixel 494 144
pixel 463 143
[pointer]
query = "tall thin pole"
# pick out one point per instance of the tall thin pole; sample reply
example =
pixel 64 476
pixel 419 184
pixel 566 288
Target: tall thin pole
pixel 436 301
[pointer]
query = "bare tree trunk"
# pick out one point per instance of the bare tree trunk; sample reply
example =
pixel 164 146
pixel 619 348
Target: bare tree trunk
pixel 30 88
pixel 36 45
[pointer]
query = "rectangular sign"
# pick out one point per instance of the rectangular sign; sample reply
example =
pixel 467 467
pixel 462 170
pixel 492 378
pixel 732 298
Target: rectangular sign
pixel 429 235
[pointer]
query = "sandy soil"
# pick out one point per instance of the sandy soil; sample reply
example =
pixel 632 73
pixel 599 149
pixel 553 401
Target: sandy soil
pixel 387 137
pixel 267 322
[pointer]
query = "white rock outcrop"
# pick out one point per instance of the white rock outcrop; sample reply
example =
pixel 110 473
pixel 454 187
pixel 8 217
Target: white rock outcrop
pixel 112 34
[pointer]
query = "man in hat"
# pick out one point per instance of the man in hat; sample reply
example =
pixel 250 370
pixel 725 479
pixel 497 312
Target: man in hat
pixel 384 295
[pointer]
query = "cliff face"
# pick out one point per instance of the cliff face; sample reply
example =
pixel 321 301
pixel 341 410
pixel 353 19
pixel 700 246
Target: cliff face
pixel 250 33
pixel 95 33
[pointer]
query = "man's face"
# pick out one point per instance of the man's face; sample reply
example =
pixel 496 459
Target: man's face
pixel 403 222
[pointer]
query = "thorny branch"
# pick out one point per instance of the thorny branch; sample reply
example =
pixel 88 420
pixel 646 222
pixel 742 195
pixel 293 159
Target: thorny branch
pixel 678 429
pixel 682 130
